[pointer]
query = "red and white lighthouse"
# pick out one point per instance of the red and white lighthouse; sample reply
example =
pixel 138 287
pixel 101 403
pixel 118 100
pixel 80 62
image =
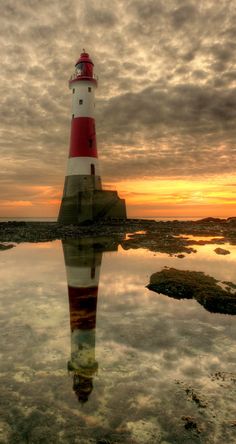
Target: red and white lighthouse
pixel 83 198
pixel 82 269
pixel 82 166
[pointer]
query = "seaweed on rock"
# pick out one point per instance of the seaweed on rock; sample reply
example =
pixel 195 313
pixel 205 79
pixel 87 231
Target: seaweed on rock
pixel 185 284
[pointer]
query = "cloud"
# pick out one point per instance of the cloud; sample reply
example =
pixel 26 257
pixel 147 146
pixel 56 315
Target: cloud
pixel 167 86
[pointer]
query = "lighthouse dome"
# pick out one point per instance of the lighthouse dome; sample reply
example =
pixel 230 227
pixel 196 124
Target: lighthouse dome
pixel 84 65
pixel 84 57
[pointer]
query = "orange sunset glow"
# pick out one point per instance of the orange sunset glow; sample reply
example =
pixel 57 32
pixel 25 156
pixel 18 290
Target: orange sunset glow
pixel 166 197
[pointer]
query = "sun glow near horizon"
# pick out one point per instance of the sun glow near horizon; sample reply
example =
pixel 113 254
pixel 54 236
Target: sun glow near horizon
pixel 154 197
pixel 179 197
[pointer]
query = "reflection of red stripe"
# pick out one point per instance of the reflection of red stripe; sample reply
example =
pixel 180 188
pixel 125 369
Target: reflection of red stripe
pixel 82 291
pixel 83 306
pixel 83 137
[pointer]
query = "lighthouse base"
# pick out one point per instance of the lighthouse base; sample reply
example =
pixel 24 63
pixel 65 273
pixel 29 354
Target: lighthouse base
pixel 91 206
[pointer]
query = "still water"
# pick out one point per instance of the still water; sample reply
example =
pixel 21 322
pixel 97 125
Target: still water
pixel 89 355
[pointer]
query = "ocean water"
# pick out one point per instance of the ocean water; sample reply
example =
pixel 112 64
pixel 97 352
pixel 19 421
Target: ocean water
pixel 89 355
pixel 28 219
pixel 53 219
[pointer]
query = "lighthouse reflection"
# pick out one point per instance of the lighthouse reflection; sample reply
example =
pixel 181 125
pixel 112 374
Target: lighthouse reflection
pixel 83 259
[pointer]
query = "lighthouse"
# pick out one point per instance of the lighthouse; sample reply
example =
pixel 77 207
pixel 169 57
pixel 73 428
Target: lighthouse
pixel 83 259
pixel 84 200
pixel 82 269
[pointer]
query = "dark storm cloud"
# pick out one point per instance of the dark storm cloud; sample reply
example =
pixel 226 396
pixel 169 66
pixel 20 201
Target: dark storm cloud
pixel 182 108
pixel 167 86
pixel 191 130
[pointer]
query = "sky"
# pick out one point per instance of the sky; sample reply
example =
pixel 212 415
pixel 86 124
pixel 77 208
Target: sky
pixel 165 108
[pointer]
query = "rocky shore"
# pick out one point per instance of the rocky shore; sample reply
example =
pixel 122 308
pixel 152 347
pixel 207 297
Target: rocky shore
pixel 158 236
pixel 202 408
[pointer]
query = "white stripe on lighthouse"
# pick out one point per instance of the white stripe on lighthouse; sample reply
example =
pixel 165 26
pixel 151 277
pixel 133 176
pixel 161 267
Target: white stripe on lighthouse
pixel 83 100
pixel 82 166
pixel 78 277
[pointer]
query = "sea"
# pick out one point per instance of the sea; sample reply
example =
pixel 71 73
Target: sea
pixel 53 219
pixel 90 355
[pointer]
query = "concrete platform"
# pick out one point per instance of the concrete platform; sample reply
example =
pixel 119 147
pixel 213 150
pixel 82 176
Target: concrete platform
pixel 91 206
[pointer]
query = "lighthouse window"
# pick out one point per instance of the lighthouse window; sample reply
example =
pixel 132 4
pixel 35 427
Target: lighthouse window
pixel 80 101
pixel 90 143
pixel 89 89
pixel 73 90
pixel 92 169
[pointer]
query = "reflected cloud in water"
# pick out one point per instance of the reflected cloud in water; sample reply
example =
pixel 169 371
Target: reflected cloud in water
pixel 137 361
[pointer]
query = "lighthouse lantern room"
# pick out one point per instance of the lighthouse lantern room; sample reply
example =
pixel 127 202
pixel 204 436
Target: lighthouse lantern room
pixel 83 199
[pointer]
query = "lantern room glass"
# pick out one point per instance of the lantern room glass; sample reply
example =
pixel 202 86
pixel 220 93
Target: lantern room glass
pixel 84 69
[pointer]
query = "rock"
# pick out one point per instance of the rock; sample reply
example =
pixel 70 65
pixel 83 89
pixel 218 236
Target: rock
pixel 221 251
pixel 190 423
pixel 158 241
pixel 230 284
pixel 211 220
pixel 168 237
pixel 196 398
pixel 6 247
pixel 184 284
pixel 103 441
pixel 231 220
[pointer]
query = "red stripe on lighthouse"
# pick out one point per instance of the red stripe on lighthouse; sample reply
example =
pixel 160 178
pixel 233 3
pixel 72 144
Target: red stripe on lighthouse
pixel 83 307
pixel 83 137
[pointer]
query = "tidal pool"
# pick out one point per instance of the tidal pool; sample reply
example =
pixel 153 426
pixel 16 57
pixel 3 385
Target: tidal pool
pixel 90 355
